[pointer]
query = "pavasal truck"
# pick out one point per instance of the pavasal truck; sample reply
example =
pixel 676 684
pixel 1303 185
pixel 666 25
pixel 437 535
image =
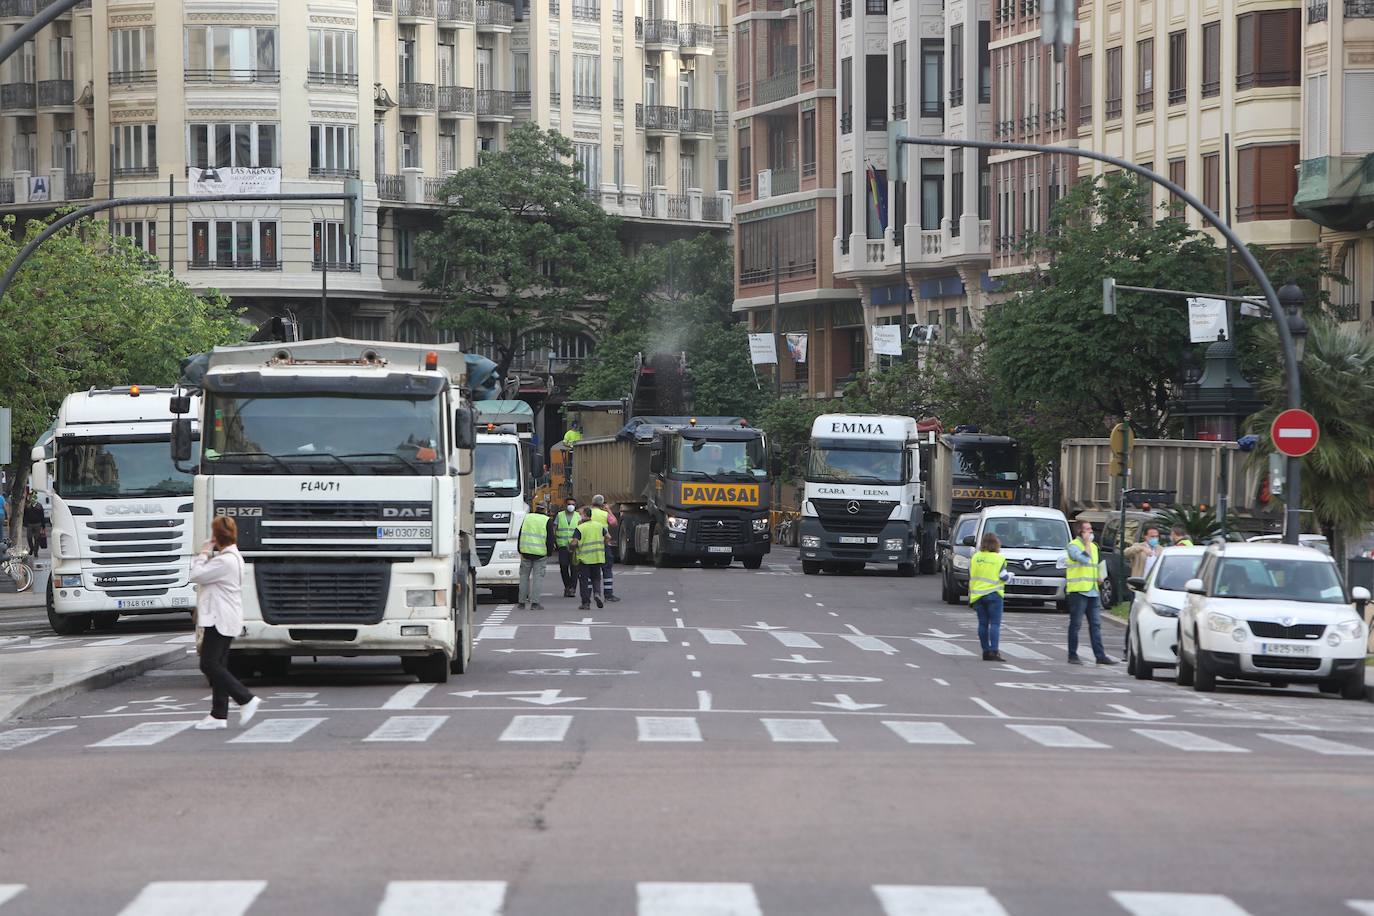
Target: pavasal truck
pixel 347 466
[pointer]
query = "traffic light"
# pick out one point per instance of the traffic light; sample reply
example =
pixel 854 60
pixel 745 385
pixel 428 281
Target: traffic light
pixel 1108 296
pixel 1058 19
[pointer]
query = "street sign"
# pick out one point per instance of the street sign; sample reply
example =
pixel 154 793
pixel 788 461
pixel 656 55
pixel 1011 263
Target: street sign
pixel 1294 432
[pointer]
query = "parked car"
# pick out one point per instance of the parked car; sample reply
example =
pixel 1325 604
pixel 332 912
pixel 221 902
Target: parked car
pixel 1274 613
pixel 953 559
pixel 1315 541
pixel 1035 542
pixel 1152 631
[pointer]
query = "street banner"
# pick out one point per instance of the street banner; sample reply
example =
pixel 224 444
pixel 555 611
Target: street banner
pixel 796 345
pixel 762 349
pixel 204 182
pixel 1207 321
pixel 887 339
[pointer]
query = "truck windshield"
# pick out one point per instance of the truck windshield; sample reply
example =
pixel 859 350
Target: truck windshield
pixel 848 463
pixel 1033 533
pixel 497 469
pixel 987 462
pixel 298 434
pixel 113 468
pixel 729 458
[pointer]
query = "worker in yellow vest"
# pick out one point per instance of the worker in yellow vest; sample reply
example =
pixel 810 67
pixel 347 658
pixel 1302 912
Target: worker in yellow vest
pixel 1179 535
pixel 565 523
pixel 987 576
pixel 606 517
pixel 590 541
pixel 537 536
pixel 1081 581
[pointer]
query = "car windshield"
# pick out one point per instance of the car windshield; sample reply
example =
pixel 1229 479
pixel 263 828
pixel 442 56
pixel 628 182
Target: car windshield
pixel 291 434
pixel 1175 571
pixel 497 469
pixel 1041 533
pixel 725 458
pixel 113 468
pixel 845 464
pixel 987 462
pixel 1275 579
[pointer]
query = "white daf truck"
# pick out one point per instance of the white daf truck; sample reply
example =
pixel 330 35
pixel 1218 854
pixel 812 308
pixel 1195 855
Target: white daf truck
pixel 862 499
pixel 120 509
pixel 502 481
pixel 347 466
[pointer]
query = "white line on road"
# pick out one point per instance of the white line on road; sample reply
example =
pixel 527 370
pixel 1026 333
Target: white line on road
pixel 668 728
pixel 114 640
pixel 204 898
pixel 443 898
pixel 182 640
pixel 832 613
pixel 855 630
pixel 408 697
pixel 496 633
pixel 942 647
pixel 1364 907
pixel 798 730
pixel 1016 651
pixel 686 645
pixel 795 640
pixel 407 728
pixel 721 637
pixel 1189 741
pixel 869 644
pixel 926 733
pixel 144 734
pixel 683 899
pixel 911 900
pixel 1159 904
pixel 276 731
pixel 680 624
pixel 1056 736
pixel 10 891
pixel 1306 742
pixel 990 708
pixel 18 737
pixel 704 700
pixel 646 634
pixel 575 632
pixel 941 681
pixel 537 728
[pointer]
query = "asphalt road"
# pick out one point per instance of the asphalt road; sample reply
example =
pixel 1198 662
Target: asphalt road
pixel 719 742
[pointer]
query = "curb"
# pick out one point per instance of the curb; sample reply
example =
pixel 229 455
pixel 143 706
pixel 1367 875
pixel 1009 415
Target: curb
pixel 96 680
pixel 8 641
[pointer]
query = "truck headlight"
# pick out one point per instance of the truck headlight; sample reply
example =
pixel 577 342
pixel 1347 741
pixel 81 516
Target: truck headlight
pixel 960 561
pixel 68 581
pixel 893 544
pixel 1221 623
pixel 677 524
pixel 505 553
pixel 425 597
pixel 760 525
pixel 810 540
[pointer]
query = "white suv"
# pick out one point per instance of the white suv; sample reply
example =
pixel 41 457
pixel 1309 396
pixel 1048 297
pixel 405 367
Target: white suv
pixel 1273 613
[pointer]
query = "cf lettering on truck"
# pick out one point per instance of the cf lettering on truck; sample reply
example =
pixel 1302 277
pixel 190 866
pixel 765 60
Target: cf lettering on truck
pixel 121 510
pixel 348 468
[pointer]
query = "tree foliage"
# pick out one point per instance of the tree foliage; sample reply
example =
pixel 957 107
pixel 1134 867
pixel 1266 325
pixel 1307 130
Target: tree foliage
pixel 1201 525
pixel 521 245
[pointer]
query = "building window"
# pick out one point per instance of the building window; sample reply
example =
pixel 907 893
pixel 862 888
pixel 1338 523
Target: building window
pixel 131 56
pixel 333 151
pixel 405 254
pixel 555 79
pixel 520 83
pixel 846 95
pixel 229 54
pixel 1145 75
pixel 875 92
pixel 234 244
pixel 333 246
pixel 899 81
pixel 846 210
pixel 984 62
pixel 795 238
pixel 932 193
pixel 984 186
pixel 1178 67
pixel 409 143
pixel 588 158
pixel 239 144
pixel 135 150
pixel 1268 48
pixel 333 57
pixel 875 207
pixel 1211 183
pixel 618 85
pixel 808 42
pixel 1085 89
pixel 143 232
pixel 1113 101
pixel 746 169
pixel 587 81
pixel 1211 60
pixel 1357 126
pixel 956 191
pixel 1317 112
pixel 1178 174
pixel 956 65
pixel 1266 181
pixel 932 78
pixel 808 143
pixel 410 331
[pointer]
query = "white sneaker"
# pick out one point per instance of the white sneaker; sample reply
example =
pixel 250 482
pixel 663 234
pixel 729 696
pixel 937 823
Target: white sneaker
pixel 210 723
pixel 248 710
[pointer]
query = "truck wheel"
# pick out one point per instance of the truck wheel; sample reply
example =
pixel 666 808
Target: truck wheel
pixel 907 570
pixel 432 669
pixel 752 562
pixel 625 543
pixel 104 621
pixel 927 558
pixel 811 568
pixel 65 624
pixel 661 559
pixel 463 660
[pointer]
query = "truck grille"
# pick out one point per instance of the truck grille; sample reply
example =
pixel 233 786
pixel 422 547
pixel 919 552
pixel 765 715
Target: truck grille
pixel 136 557
pixel 484 551
pixel 491 528
pixel 303 525
pixel 324 592
pixel 1269 630
pixel 718 531
pixel 867 517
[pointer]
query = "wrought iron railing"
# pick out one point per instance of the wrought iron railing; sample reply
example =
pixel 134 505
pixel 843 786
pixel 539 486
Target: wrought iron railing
pixel 713 209
pixel 776 87
pixel 232 263
pixel 391 187
pixel 656 117
pixel 1359 9
pixel 416 95
pixel 132 77
pixel 785 182
pixel 457 99
pixel 494 13
pixel 1316 11
pixel 679 206
pixel 136 171
pixel 696 121
pixel 695 35
pixel 80 186
pixel 587 102
pixel 646 204
pixel 382 6
pixel 233 75
pixel 586 12
pixel 318 172
pixel 663 31
pixel 421 8
pixel 330 78
pixel 18 96
pixel 495 103
pixel 54 93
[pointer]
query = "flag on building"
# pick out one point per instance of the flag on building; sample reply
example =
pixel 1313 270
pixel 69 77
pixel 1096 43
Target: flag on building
pixel 877 192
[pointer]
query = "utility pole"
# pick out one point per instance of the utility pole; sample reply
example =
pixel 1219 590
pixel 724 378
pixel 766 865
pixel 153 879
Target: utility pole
pixel 777 307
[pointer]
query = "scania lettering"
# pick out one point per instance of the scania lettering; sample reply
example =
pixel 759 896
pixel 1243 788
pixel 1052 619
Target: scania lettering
pixel 862 497
pixel 348 468
pixel 121 510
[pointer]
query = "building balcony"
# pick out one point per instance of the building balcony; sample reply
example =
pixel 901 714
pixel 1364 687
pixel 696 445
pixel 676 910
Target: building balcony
pixel 713 209
pixel 494 16
pixel 416 96
pixel 1359 9
pixel 55 94
pixel 234 76
pixel 391 187
pixel 432 193
pixel 18 9
pixel 330 78
pixel 586 102
pixel 457 100
pixel 133 77
pixel 1337 191
pixel 324 173
pixel 232 263
pixel 679 207
pixel 131 172
pixel 775 182
pixel 382 7
pixel 18 98
pixel 657 203
pixel 415 9
pixel 452 12
pixel 656 120
pixel 696 122
pixel 495 104
pixel 80 186
pixel 775 88
pixel 6 190
pixel 586 12
pixel 1316 11
pixel 695 38
pixel 660 34
pixel 335 267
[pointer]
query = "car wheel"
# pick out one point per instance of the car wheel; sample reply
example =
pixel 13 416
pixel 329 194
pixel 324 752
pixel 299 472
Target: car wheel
pixel 1130 654
pixel 1143 671
pixel 1204 678
pixel 1353 688
pixel 811 568
pixel 1329 686
pixel 1183 674
pixel 946 593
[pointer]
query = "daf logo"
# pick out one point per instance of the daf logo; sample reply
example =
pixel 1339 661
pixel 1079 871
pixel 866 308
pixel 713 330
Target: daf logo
pixel 1288 621
pixel 139 509
pixel 852 507
pixel 394 512
pixel 1028 564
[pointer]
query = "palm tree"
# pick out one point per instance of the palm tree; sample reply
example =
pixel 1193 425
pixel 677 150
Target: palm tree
pixel 1200 524
pixel 1337 376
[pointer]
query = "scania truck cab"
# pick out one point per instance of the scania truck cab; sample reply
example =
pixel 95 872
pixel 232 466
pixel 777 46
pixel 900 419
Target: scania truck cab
pixel 347 466
pixel 862 496
pixel 121 510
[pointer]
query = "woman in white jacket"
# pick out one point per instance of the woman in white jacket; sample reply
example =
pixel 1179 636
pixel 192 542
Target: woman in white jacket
pixel 218 570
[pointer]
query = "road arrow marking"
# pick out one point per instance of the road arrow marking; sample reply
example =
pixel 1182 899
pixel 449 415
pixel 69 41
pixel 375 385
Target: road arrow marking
pixel 803 660
pixel 1127 713
pixel 1007 667
pixel 941 634
pixel 538 697
pixel 553 653
pixel 846 702
pixel 764 626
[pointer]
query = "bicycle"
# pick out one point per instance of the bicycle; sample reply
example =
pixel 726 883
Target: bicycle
pixel 17 569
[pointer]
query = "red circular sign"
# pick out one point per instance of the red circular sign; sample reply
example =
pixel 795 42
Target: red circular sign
pixel 1294 432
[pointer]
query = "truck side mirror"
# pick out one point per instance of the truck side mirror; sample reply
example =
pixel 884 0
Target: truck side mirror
pixel 180 404
pixel 181 440
pixel 38 454
pixel 464 429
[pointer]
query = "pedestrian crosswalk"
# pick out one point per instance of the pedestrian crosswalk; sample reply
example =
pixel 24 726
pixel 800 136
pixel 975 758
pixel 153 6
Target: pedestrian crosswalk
pixel 247 897
pixel 721 727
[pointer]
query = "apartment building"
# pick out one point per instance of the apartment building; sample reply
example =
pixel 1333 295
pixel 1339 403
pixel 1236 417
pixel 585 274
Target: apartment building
pixel 785 178
pixel 122 97
pixel 1336 172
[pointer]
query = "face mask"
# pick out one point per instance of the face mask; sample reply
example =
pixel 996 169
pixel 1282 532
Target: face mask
pixel 1154 542
pixel 571 507
pixel 1087 537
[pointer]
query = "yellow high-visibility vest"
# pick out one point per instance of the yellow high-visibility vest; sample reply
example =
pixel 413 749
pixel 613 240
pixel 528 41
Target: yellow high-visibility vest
pixel 567 524
pixel 1081 577
pixel 985 575
pixel 534 535
pixel 591 543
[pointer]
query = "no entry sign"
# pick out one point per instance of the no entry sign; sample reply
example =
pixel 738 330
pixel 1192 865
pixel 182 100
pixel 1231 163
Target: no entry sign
pixel 1294 432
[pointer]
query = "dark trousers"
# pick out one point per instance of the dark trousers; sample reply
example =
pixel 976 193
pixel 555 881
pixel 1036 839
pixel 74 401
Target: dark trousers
pixel 1082 605
pixel 566 568
pixel 589 576
pixel 608 575
pixel 989 611
pixel 214 664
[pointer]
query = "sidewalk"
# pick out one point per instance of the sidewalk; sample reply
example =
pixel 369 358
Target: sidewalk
pixel 33 679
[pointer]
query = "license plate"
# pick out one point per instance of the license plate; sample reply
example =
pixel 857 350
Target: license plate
pixel 132 603
pixel 403 532
pixel 855 539
pixel 719 549
pixel 1284 648
pixel 181 602
pixel 1024 582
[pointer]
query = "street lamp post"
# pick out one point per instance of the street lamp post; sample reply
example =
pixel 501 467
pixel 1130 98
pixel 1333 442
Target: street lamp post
pixel 1291 319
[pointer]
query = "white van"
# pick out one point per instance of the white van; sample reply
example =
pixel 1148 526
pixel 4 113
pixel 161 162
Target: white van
pixel 1035 542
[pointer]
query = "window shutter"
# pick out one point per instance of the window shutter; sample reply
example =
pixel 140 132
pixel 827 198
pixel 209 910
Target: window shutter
pixel 1245 51
pixel 1247 161
pixel 1316 108
pixel 1277 180
pixel 1278 48
pixel 1357 127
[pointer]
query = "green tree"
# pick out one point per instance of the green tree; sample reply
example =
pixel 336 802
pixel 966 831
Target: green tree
pixel 1337 377
pixel 521 245
pixel 1200 524
pixel 787 421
